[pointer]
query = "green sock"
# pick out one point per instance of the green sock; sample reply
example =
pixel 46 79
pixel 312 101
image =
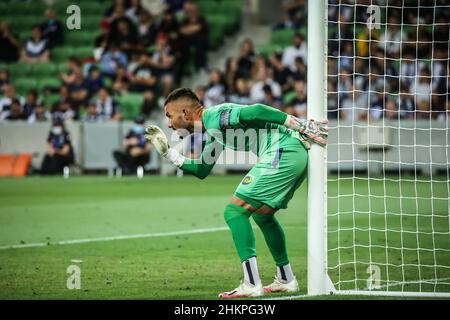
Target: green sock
pixel 274 235
pixel 238 220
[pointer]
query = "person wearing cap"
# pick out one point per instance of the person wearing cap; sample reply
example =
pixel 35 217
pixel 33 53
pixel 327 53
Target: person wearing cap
pixel 137 149
pixel 59 150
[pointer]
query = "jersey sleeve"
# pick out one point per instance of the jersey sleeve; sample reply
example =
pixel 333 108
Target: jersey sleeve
pixel 203 166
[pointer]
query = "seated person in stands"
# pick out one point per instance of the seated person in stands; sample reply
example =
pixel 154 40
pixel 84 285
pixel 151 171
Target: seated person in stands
pixel 107 107
pixel 52 29
pixel 94 81
pixel 30 103
pixel 143 77
pixel 36 48
pixel 9 43
pixel 64 111
pixel 162 62
pixel 59 150
pixel 137 148
pixel 74 66
pixel 16 112
pixel 7 99
pixel 149 107
pixel 39 114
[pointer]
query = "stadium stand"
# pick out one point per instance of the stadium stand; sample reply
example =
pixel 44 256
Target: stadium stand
pixel 19 18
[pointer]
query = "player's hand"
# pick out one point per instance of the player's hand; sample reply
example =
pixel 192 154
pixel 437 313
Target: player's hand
pixel 316 131
pixel 156 136
pixel 310 130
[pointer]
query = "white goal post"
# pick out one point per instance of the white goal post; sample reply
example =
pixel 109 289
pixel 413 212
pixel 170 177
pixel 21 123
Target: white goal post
pixel 379 194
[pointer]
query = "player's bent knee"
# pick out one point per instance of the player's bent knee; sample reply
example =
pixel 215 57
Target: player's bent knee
pixel 233 210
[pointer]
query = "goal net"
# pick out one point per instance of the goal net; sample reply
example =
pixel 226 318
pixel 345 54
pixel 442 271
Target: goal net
pixel 388 155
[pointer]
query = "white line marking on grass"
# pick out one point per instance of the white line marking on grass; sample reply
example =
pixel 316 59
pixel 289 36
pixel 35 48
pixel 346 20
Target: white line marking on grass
pixel 124 237
pixel 287 297
pixel 377 292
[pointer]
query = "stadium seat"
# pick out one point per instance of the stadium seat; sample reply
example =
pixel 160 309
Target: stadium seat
pixel 44 69
pixel 283 37
pixel 23 85
pixel 21 164
pixel 19 69
pixel 50 99
pixel 6 164
pixel 130 105
pixel 48 82
pixel 61 54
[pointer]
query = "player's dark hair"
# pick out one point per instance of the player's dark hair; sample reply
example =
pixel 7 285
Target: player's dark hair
pixel 182 93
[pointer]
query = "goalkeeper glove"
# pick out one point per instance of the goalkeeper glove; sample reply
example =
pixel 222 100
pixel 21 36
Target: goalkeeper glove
pixel 159 140
pixel 310 130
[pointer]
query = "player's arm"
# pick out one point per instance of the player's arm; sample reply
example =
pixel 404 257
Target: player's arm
pixel 259 115
pixel 200 168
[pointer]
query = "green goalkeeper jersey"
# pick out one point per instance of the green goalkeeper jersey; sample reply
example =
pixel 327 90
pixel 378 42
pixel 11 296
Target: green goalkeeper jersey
pixel 227 125
pixel 282 157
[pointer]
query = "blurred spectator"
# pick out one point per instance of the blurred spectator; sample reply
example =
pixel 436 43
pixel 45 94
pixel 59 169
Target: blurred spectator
pixel 269 99
pixel 149 105
pixel 298 49
pixel 391 40
pixel 194 30
pixel 257 90
pixel 107 107
pixel 354 106
pixel 59 150
pixel 4 80
pixel 445 115
pixel 421 89
pixel 300 100
pixel 241 94
pixel 295 12
pixel 118 17
pixel 121 81
pixel 36 48
pixel 147 28
pixel 16 111
pixel 125 38
pixel 215 92
pixel 7 100
pixel 9 43
pixel 112 59
pixel 246 57
pixel 143 77
pixel 52 29
pixel 200 92
pixel 63 111
pixel 91 113
pixel 231 74
pixel 74 66
pixel 137 149
pixel 282 74
pixel 31 102
pixel 94 81
pixel 391 112
pixel 79 92
pixel 39 114
pixel 134 11
pixel 162 63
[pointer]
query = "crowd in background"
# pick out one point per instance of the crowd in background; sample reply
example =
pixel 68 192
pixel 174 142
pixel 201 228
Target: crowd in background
pixel 400 71
pixel 140 49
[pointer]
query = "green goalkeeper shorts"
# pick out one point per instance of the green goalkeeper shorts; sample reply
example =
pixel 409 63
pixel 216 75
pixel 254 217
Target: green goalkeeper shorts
pixel 276 176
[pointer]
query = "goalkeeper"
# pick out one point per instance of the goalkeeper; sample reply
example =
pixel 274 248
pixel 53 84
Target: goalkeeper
pixel 280 141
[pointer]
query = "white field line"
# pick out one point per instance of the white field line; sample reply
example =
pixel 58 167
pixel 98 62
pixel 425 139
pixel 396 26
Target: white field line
pixel 123 237
pixel 366 292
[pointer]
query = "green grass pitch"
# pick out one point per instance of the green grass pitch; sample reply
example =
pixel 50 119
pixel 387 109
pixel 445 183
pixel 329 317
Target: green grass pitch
pixel 185 265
